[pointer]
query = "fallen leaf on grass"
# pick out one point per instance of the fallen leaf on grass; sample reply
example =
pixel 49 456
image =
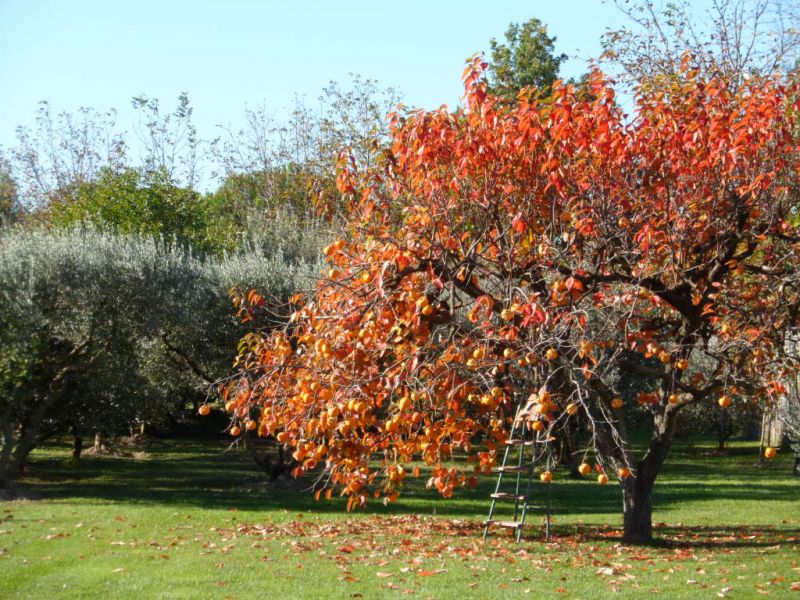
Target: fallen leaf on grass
pixel 384 575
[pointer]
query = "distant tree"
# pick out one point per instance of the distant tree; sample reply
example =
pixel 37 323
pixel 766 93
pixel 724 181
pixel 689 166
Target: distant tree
pixel 9 199
pixel 273 165
pixel 736 38
pixel 62 151
pixel 144 202
pixel 526 59
pixel 169 141
pixel 101 331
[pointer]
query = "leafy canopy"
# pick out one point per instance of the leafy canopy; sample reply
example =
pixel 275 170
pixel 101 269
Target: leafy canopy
pixel 525 60
pixel 526 251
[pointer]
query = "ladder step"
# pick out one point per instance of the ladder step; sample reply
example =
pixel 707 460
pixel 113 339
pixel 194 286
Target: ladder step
pixel 508 496
pixel 514 469
pixel 509 524
pixel 519 442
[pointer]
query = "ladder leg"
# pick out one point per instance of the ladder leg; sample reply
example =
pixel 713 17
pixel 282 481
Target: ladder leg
pixel 500 476
pixel 549 494
pixel 520 461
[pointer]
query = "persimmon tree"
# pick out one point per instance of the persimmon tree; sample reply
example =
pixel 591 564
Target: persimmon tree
pixel 539 251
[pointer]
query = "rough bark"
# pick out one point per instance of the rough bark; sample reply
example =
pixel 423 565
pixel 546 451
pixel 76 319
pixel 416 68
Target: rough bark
pixel 637 491
pixel 77 445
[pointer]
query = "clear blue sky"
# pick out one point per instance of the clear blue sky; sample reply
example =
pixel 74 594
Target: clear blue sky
pixel 230 54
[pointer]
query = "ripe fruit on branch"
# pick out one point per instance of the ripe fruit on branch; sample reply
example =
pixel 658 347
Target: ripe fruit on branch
pixel 546 476
pixel 551 354
pixel 236 430
pixel 770 453
pixel 602 479
pixel 204 410
pixel 250 424
pixel 584 468
pixel 624 472
pixel 617 403
pixel 724 401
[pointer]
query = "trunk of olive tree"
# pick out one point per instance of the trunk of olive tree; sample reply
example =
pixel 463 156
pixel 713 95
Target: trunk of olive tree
pixel 7 431
pixel 21 435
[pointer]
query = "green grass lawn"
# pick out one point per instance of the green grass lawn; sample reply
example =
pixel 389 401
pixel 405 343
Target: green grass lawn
pixel 189 520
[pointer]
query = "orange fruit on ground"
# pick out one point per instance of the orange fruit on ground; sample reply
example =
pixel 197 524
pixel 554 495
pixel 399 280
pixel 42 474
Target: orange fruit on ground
pixel 546 476
pixel 551 354
pixel 770 453
pixel 584 468
pixel 724 401
pixel 204 410
pixel 624 472
pixel 602 479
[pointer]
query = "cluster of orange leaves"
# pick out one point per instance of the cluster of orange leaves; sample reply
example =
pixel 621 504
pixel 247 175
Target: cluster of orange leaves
pixel 486 234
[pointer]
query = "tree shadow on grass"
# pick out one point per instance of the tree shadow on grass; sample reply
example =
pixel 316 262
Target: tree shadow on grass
pixel 202 474
pixel 692 537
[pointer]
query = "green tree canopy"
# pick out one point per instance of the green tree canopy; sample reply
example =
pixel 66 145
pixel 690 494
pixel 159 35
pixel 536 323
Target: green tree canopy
pixel 526 59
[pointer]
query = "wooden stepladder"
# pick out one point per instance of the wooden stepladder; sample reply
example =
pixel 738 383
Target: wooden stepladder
pixel 525 449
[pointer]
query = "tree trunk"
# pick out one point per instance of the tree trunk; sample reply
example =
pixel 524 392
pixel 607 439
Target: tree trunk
pixel 637 490
pixel 77 445
pixel 7 447
pixel 637 508
pixel 100 445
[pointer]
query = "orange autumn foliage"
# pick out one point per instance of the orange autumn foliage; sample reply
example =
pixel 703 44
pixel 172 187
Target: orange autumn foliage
pixel 506 249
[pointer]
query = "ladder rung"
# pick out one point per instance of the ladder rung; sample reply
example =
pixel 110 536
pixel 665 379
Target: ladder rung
pixel 514 469
pixel 508 496
pixel 519 442
pixel 509 524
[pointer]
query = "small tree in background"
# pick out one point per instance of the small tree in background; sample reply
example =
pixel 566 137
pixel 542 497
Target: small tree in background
pixel 100 332
pixel 525 60
pixel 736 38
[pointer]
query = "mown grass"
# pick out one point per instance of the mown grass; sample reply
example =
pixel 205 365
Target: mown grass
pixel 177 523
